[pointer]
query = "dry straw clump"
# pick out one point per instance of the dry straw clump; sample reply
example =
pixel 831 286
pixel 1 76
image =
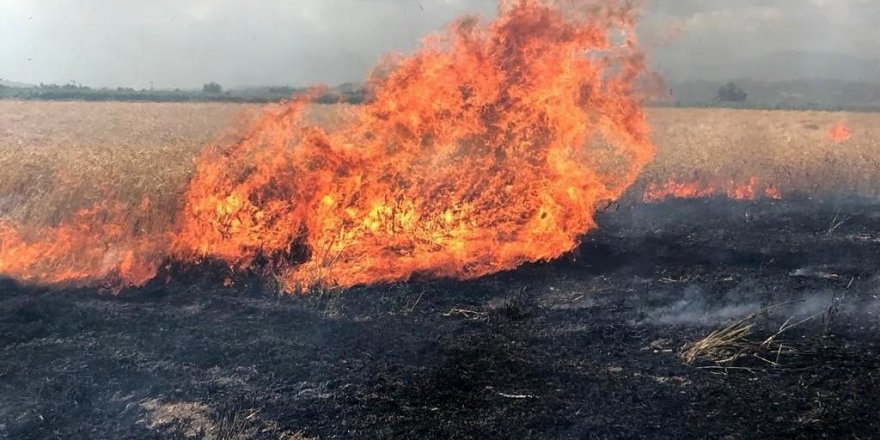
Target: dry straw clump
pixel 722 346
pixel 725 347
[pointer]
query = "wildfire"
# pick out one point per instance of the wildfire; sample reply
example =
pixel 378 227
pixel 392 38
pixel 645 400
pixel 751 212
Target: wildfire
pixel 99 245
pixel 490 147
pixel 840 132
pixel 673 189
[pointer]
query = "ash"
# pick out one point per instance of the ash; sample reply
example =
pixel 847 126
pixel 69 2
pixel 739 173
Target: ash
pixel 584 347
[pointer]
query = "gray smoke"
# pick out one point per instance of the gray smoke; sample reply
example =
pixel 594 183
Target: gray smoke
pixel 696 305
pixel 171 43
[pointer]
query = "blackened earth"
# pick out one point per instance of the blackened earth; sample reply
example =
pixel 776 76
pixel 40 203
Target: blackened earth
pixel 584 347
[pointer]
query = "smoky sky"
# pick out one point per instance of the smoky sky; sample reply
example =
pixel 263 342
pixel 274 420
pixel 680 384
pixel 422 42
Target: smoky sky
pixel 185 43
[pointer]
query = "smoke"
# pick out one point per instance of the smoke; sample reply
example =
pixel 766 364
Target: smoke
pixel 235 42
pixel 693 307
pixel 701 306
pixel 766 40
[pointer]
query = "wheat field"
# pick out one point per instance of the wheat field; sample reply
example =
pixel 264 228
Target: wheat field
pixel 58 157
pixel 793 150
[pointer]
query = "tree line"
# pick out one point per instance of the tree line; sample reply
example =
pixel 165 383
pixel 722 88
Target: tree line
pixel 210 92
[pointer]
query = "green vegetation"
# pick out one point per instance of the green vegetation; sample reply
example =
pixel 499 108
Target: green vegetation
pixel 212 88
pixel 211 92
pixel 824 95
pixel 813 94
pixel 731 93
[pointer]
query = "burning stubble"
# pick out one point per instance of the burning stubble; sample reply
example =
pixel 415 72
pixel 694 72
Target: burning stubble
pixel 840 132
pixel 490 147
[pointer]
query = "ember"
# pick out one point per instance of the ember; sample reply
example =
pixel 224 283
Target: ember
pixel 840 132
pixel 752 189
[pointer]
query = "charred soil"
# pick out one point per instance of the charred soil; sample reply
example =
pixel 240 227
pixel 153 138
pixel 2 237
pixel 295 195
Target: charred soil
pixel 584 347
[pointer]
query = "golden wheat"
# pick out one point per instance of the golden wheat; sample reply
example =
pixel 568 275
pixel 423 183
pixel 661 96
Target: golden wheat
pixel 58 157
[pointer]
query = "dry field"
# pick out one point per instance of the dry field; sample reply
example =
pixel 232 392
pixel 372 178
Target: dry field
pixel 57 157
pixel 793 150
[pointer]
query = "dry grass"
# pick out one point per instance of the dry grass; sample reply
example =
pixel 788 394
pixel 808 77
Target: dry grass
pixel 192 420
pixel 721 346
pixel 58 157
pixel 792 149
pixel 726 346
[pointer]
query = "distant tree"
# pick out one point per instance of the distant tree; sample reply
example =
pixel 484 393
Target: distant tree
pixel 731 93
pixel 282 90
pixel 212 88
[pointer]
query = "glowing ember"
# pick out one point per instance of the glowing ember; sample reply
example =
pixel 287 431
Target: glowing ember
pixel 490 147
pixel 840 132
pixel 772 193
pixel 749 190
pixel 677 190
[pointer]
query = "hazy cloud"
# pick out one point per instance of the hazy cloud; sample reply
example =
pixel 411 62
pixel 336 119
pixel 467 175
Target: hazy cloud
pixel 756 27
pixel 184 43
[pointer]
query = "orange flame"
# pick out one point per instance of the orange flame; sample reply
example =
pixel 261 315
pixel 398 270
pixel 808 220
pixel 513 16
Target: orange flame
pixel 840 132
pixel 673 189
pixel 488 148
pixel 98 245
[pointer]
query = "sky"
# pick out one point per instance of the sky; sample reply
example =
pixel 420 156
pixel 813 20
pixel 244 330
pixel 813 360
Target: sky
pixel 186 43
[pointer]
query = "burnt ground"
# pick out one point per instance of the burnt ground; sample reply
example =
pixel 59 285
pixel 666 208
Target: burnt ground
pixel 585 347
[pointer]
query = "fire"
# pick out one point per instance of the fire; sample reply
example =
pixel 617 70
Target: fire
pixel 840 132
pixel 677 190
pixel 673 189
pixel 97 245
pixel 488 148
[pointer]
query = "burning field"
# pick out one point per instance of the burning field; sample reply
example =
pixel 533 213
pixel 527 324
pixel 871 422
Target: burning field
pixel 502 242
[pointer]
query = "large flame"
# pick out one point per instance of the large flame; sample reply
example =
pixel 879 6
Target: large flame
pixel 490 147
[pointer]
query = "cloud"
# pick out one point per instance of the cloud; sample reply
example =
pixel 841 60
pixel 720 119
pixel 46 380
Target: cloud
pixel 764 26
pixel 185 43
